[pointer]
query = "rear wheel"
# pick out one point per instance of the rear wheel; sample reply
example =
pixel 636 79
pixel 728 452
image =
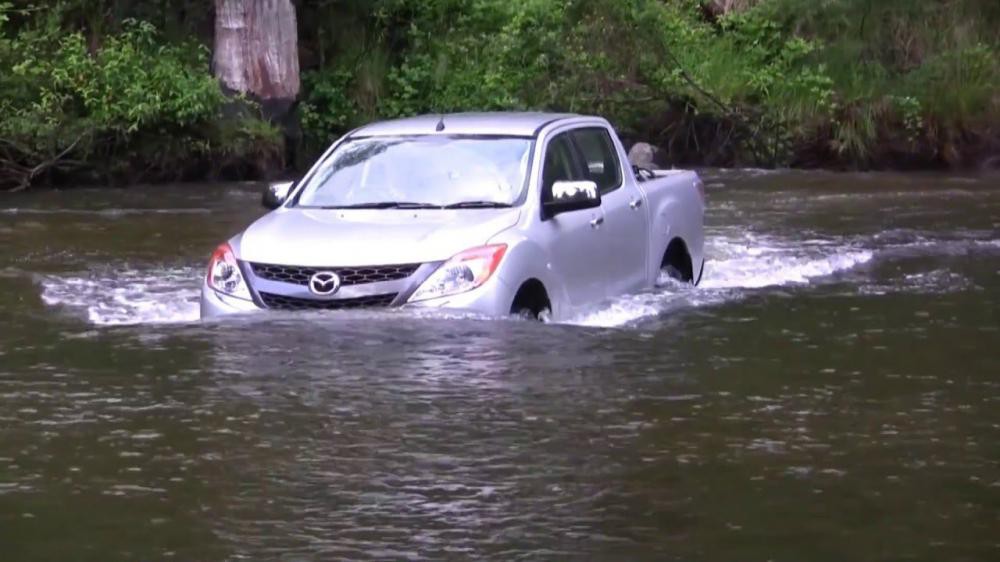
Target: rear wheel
pixel 672 272
pixel 676 262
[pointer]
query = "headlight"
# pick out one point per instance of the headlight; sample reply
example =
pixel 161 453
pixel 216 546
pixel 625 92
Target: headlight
pixel 224 274
pixel 462 273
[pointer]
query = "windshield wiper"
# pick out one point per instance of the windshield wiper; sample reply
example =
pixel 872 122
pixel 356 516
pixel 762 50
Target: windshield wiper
pixel 477 205
pixel 386 205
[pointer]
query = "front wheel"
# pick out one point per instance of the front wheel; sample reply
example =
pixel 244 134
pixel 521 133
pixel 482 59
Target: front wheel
pixel 544 316
pixel 532 302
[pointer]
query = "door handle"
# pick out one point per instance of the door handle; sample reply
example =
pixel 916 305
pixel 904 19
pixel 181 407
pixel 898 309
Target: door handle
pixel 596 222
pixel 635 203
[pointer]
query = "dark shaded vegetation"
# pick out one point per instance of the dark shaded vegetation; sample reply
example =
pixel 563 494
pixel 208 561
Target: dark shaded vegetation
pixel 122 91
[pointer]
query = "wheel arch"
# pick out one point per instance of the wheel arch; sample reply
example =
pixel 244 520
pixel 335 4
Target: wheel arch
pixel 531 295
pixel 678 256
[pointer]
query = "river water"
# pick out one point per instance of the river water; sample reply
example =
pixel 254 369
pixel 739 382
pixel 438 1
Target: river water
pixel 830 392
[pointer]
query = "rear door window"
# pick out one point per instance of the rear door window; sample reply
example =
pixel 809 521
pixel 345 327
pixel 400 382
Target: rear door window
pixel 601 164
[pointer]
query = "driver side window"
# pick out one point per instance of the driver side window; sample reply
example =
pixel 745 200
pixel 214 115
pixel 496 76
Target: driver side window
pixel 559 164
pixel 600 158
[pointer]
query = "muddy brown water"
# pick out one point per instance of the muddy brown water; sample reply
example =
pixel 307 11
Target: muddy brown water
pixel 830 392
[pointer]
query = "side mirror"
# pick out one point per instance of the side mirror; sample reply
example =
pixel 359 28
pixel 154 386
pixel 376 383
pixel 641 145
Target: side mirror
pixel 570 196
pixel 275 194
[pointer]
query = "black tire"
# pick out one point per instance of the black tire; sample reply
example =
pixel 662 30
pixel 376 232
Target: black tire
pixel 673 273
pixel 676 262
pixel 532 303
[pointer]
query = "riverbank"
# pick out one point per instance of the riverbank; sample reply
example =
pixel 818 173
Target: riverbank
pixel 125 94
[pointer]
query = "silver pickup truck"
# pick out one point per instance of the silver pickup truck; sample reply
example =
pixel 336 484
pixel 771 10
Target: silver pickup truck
pixel 530 214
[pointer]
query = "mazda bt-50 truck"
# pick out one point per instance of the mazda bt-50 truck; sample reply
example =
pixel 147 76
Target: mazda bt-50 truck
pixel 531 214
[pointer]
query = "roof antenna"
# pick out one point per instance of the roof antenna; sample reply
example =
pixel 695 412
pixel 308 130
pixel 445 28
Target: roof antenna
pixel 440 125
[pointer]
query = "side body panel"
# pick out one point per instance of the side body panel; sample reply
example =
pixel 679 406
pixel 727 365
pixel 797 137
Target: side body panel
pixel 564 252
pixel 624 254
pixel 621 258
pixel 676 210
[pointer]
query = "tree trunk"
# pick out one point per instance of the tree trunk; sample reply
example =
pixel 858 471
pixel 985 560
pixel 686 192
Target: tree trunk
pixel 256 48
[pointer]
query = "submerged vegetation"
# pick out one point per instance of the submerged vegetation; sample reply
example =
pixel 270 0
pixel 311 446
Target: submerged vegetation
pixel 119 90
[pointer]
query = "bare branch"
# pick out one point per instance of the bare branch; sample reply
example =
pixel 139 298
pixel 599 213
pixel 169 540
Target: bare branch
pixel 48 163
pixel 21 175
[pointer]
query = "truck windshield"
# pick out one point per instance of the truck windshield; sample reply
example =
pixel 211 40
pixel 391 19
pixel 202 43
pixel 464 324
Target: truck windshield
pixel 421 172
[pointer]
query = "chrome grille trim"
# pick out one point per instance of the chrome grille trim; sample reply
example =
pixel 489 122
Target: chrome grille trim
pixel 349 276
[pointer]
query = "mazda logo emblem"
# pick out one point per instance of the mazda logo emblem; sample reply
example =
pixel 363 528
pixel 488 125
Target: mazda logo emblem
pixel 324 283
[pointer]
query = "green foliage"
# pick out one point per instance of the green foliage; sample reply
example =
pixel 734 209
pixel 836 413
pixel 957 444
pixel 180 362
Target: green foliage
pixel 495 56
pixel 960 85
pixel 129 83
pixel 62 95
pixel 630 61
pixel 329 108
pixel 249 143
pixel 854 83
pixel 908 76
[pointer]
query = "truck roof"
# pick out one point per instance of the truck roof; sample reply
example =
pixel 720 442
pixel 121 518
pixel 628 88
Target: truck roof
pixel 494 123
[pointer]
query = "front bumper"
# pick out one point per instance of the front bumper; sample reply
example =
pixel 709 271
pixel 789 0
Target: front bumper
pixel 492 299
pixel 214 304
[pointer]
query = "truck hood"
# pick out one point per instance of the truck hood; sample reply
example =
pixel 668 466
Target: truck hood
pixel 321 238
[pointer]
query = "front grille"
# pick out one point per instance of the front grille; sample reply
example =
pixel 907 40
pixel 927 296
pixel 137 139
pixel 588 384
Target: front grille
pixel 281 302
pixel 348 275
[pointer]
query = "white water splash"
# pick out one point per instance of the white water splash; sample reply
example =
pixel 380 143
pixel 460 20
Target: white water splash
pixel 754 263
pixel 735 264
pixel 127 296
pixel 738 263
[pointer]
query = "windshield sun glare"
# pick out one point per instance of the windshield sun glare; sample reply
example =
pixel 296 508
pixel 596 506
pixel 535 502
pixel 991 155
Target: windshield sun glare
pixel 421 172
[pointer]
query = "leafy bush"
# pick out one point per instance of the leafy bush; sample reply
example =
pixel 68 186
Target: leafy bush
pixel 68 106
pixel 495 56
pixel 329 109
pixel 852 83
pixel 630 61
